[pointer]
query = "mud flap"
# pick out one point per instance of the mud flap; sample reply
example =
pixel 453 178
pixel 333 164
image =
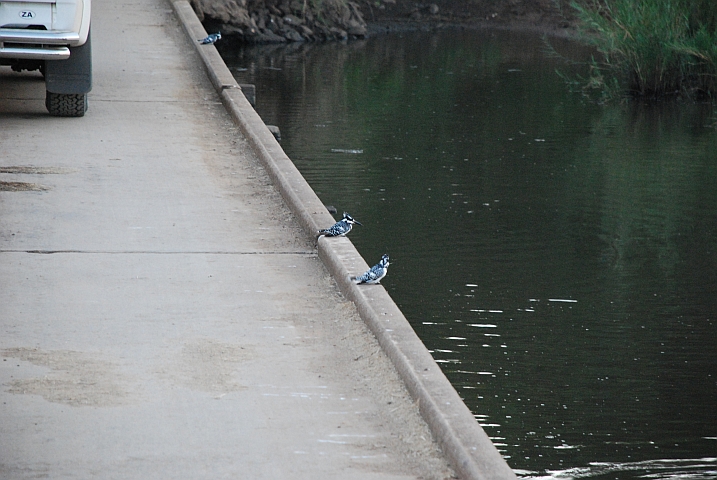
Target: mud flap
pixel 71 76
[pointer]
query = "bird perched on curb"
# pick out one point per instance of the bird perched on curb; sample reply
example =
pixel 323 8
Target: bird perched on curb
pixel 340 228
pixel 375 273
pixel 211 39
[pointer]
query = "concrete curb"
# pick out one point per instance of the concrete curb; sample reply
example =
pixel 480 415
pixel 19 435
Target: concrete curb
pixel 464 442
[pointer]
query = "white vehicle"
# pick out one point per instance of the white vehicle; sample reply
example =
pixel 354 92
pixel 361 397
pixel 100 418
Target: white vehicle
pixel 52 36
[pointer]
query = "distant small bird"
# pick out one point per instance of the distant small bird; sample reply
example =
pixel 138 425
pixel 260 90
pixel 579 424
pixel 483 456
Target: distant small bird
pixel 211 39
pixel 375 273
pixel 340 228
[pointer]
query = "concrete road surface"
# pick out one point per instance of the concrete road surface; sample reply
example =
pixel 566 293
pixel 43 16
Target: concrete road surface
pixel 161 313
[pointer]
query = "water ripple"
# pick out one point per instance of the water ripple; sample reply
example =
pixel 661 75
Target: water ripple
pixel 682 469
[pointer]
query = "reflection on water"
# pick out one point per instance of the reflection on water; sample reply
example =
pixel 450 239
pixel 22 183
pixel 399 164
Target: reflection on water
pixel 558 258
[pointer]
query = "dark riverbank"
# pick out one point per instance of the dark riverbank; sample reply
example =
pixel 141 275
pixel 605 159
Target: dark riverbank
pixel 283 21
pixel 530 15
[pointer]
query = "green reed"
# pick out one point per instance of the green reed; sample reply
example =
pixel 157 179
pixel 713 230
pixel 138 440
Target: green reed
pixel 651 47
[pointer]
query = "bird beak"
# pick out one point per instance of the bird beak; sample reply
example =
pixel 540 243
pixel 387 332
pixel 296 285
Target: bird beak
pixel 358 223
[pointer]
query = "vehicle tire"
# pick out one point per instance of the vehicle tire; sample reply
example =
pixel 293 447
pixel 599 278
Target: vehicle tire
pixel 66 104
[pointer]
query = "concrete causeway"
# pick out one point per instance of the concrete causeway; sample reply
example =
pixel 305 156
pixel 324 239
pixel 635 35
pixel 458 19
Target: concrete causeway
pixel 164 313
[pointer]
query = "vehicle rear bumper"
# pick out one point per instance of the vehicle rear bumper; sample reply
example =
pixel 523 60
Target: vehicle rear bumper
pixel 36 44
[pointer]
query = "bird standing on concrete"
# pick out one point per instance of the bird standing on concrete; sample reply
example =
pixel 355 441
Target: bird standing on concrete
pixel 340 228
pixel 211 39
pixel 375 273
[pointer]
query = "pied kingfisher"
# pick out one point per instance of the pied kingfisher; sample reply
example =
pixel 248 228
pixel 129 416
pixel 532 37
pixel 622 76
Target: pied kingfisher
pixel 340 228
pixel 211 39
pixel 375 273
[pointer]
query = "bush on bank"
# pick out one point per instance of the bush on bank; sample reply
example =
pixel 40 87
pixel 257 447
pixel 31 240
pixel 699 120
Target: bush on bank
pixel 651 48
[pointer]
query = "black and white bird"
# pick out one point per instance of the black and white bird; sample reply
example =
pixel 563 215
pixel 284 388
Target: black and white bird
pixel 211 39
pixel 340 228
pixel 375 273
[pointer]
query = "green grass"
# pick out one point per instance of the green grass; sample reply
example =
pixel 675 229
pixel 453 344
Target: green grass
pixel 651 48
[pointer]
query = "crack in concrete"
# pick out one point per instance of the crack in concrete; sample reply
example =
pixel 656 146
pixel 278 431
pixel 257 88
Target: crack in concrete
pixel 157 252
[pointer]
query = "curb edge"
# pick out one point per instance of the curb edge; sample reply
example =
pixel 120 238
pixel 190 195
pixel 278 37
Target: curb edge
pixel 464 442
